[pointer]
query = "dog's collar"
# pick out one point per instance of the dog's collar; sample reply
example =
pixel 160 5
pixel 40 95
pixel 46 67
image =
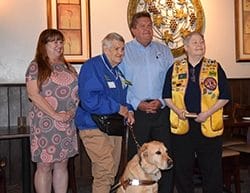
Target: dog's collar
pixel 142 167
pixel 136 182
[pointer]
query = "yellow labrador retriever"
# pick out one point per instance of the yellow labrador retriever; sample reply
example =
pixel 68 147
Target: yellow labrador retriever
pixel 143 170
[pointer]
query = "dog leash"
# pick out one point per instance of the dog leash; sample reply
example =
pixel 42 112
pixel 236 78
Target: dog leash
pixel 138 146
pixel 125 143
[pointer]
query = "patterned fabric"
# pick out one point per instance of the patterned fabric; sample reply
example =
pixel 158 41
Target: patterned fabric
pixel 50 140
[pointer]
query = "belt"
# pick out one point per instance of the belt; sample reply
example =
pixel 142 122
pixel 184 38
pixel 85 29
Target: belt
pixel 148 100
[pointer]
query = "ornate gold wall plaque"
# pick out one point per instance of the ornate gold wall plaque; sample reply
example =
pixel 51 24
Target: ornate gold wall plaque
pixel 172 19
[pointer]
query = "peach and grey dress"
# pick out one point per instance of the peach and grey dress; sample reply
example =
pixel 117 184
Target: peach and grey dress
pixel 51 140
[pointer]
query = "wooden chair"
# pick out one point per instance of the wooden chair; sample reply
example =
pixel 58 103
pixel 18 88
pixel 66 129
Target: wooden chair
pixel 2 176
pixel 233 134
pixel 244 150
pixel 230 139
pixel 231 169
pixel 241 118
pixel 241 111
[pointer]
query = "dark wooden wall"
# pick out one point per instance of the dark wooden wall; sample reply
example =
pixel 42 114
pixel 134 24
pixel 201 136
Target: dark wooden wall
pixel 240 92
pixel 14 103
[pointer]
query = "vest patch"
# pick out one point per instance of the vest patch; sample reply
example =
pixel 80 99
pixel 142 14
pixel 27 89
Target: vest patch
pixel 210 83
pixel 182 76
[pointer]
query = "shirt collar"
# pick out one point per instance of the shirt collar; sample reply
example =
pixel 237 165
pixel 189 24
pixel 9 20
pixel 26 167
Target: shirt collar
pixel 140 45
pixel 105 58
pixel 197 65
pixel 108 65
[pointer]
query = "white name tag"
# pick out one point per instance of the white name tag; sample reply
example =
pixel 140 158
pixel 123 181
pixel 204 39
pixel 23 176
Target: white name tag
pixel 111 84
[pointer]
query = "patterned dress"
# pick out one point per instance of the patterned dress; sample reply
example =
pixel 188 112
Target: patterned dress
pixel 51 140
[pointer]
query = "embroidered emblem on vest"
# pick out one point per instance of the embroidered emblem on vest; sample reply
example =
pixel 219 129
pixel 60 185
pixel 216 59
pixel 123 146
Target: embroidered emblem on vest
pixel 210 83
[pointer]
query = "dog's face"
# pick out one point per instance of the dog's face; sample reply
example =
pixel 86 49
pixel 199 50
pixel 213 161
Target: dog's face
pixel 155 153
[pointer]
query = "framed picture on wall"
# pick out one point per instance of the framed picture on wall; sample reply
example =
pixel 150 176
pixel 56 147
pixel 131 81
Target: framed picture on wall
pixel 242 30
pixel 71 17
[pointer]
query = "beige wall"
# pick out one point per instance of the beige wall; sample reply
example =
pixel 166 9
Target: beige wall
pixel 22 20
pixel 220 36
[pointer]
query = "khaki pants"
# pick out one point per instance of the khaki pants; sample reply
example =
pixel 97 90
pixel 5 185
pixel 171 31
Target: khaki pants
pixel 104 152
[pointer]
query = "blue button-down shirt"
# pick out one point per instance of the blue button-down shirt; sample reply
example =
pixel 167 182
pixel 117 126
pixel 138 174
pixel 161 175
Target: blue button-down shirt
pixel 146 68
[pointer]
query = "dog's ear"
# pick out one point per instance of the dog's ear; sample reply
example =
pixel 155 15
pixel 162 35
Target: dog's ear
pixel 146 159
pixel 143 150
pixel 145 154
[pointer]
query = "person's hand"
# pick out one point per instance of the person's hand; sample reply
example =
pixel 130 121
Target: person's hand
pixel 123 111
pixel 181 114
pixel 143 106
pixel 155 104
pixel 130 119
pixel 62 116
pixel 202 117
pixel 150 107
pixel 71 113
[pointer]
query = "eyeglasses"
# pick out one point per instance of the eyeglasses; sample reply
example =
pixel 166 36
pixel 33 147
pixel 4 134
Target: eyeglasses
pixel 192 73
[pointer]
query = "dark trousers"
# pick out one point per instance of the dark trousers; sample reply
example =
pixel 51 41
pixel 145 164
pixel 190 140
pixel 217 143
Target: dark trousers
pixel 153 126
pixel 207 151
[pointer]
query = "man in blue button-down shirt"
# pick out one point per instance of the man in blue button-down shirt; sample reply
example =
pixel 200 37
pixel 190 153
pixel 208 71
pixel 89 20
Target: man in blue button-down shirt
pixel 145 64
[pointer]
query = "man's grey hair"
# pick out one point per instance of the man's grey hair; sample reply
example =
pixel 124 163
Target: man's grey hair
pixel 107 41
pixel 189 36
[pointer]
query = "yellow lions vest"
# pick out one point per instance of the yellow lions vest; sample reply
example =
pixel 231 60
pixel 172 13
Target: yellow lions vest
pixel 213 126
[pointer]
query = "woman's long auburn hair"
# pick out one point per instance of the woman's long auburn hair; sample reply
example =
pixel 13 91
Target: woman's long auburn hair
pixel 41 56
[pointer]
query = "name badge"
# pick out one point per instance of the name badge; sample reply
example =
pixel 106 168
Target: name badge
pixel 111 84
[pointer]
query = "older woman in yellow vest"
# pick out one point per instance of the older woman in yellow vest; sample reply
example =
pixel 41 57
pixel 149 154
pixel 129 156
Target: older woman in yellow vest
pixel 196 89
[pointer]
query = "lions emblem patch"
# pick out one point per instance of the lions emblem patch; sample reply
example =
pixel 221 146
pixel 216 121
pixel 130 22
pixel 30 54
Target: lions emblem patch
pixel 210 83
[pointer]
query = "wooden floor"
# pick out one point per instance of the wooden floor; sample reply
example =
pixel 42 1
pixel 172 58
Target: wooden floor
pixel 245 185
pixel 85 187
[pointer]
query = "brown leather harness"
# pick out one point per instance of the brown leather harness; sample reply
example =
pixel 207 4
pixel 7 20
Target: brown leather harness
pixel 135 182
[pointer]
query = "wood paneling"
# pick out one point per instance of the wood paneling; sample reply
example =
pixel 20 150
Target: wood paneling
pixel 240 92
pixel 10 108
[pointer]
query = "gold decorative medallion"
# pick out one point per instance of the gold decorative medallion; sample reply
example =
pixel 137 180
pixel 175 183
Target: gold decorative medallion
pixel 172 19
